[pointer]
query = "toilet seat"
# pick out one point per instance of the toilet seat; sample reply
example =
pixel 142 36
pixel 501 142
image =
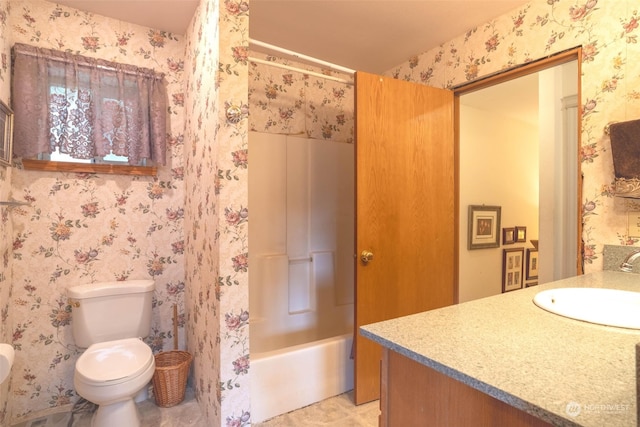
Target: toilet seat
pixel 113 362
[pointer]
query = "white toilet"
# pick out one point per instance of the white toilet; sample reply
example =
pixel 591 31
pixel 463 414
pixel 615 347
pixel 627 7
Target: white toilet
pixel 109 320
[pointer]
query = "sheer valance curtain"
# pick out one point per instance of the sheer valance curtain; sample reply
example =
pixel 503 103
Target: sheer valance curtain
pixel 86 107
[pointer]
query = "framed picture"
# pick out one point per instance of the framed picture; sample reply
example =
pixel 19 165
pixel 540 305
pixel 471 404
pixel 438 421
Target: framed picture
pixel 512 260
pixel 484 227
pixel 508 235
pixel 521 234
pixel 530 284
pixel 532 264
pixel 6 134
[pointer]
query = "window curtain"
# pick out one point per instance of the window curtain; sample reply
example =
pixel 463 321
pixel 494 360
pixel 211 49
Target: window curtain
pixel 86 107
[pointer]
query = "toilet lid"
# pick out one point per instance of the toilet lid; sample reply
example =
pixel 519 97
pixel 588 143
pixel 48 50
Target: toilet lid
pixel 114 361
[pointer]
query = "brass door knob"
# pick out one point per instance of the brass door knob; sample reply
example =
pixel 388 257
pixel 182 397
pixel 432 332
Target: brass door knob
pixel 366 257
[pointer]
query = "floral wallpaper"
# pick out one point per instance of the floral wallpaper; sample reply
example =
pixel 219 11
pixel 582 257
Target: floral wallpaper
pixel 216 158
pixel 290 102
pixel 187 227
pixel 232 167
pixel 85 228
pixel 608 32
pixel 201 222
pixel 6 224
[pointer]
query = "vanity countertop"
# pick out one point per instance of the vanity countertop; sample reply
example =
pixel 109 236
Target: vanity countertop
pixel 564 371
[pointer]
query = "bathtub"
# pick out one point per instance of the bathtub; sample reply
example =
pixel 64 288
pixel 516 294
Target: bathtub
pixel 293 377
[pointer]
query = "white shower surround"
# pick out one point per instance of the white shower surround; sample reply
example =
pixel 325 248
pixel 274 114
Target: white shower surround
pixel 301 236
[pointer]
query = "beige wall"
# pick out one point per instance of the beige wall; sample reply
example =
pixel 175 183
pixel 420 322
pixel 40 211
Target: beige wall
pixel 498 166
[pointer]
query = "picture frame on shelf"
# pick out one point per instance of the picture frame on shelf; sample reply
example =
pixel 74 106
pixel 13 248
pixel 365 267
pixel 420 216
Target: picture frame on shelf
pixel 484 227
pixel 532 264
pixel 521 234
pixel 508 235
pixel 512 267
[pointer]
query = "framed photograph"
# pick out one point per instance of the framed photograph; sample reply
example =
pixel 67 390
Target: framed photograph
pixel 530 284
pixel 484 227
pixel 532 264
pixel 512 261
pixel 508 235
pixel 6 134
pixel 521 234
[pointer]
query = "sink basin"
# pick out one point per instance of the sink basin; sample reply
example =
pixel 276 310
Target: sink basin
pixel 609 307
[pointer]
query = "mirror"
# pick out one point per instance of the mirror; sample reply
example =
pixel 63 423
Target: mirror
pixel 519 150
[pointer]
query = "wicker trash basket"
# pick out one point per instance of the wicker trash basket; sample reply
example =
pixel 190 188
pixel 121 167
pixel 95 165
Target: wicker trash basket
pixel 170 377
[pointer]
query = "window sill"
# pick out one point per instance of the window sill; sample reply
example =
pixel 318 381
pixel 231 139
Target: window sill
pixel 46 165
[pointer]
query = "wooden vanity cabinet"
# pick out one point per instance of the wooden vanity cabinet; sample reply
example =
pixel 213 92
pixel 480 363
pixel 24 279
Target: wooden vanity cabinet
pixel 415 395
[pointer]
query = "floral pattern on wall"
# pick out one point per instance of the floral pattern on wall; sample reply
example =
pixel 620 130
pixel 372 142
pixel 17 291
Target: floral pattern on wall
pixel 608 32
pixel 6 223
pixel 232 286
pixel 104 227
pixel 6 228
pixel 201 249
pixel 289 102
pixel 85 228
pixel 216 205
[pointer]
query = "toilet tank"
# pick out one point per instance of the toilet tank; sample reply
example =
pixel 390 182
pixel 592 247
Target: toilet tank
pixel 110 310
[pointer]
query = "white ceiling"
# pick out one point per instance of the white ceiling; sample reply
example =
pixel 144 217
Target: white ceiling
pixel 168 15
pixel 517 99
pixel 366 35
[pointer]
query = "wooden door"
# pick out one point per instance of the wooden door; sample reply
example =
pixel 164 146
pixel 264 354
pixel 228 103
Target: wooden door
pixel 406 209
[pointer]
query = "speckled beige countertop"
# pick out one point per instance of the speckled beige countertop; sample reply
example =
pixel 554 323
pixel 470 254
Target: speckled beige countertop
pixel 564 371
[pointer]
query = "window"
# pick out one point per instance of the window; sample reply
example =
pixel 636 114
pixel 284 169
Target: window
pixel 70 107
pixel 110 158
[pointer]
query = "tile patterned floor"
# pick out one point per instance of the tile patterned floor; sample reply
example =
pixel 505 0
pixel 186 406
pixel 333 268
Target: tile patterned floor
pixel 338 411
pixel 186 414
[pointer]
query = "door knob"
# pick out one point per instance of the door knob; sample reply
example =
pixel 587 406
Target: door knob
pixel 366 257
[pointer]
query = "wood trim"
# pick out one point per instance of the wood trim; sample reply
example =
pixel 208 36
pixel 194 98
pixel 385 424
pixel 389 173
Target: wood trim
pixel 456 199
pixel 523 70
pixel 109 169
pixel 580 258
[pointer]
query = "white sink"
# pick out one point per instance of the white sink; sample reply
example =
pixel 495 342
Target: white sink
pixel 609 307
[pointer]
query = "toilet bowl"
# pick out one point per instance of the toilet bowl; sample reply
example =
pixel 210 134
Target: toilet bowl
pixel 109 321
pixel 110 374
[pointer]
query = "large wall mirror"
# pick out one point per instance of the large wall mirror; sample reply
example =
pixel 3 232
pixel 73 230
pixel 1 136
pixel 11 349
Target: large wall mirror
pixel 519 144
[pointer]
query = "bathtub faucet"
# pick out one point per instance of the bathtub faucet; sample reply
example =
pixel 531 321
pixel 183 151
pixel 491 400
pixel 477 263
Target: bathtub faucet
pixel 627 264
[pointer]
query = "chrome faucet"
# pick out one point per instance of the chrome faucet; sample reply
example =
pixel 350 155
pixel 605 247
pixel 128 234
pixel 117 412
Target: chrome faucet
pixel 627 265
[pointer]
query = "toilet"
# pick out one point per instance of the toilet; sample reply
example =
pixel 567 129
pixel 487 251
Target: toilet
pixel 109 320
